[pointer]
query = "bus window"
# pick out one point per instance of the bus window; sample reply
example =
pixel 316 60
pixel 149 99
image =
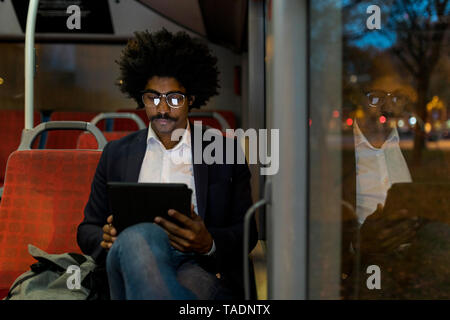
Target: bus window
pixel 379 153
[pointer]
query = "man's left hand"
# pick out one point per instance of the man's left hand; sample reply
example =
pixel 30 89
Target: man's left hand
pixel 190 236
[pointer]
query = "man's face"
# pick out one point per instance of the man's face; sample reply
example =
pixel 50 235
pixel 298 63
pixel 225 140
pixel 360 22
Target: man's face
pixel 385 97
pixel 163 118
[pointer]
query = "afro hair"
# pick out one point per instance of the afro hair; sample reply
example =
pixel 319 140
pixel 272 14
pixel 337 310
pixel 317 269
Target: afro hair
pixel 165 54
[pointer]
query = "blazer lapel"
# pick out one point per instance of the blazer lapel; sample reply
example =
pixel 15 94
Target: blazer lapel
pixel 135 156
pixel 200 175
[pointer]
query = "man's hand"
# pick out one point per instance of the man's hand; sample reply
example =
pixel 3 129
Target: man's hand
pixel 191 236
pixel 109 234
pixel 381 233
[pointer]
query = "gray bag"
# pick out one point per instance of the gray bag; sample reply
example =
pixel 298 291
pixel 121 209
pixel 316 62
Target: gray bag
pixel 54 277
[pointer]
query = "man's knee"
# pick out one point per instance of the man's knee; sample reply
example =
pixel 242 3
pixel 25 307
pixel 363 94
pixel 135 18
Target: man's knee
pixel 138 237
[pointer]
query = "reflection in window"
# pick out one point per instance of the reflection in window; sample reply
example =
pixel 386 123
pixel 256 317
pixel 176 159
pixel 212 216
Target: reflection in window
pixel 392 134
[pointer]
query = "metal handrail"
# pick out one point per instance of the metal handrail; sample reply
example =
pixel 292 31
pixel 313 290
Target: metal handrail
pixel 28 136
pixel 215 115
pixel 119 115
pixel 247 221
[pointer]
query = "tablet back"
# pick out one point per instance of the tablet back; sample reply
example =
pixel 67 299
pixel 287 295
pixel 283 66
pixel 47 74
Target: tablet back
pixel 133 203
pixel 430 201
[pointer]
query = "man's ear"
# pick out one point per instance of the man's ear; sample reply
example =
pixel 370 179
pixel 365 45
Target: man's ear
pixel 191 100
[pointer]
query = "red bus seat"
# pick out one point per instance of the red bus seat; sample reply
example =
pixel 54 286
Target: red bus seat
pixel 11 126
pixel 211 119
pixel 88 141
pixel 208 122
pixel 67 139
pixel 127 125
pixel 43 201
pixel 229 116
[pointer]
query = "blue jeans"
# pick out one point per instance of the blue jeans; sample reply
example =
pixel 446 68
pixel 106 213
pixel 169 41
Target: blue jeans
pixel 142 265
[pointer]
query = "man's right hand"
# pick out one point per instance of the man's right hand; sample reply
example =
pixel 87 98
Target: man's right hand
pixel 381 233
pixel 109 234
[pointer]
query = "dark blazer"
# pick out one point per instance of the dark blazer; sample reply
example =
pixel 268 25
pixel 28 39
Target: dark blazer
pixel 223 196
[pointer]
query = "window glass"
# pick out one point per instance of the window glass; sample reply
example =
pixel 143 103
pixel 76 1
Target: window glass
pixel 379 149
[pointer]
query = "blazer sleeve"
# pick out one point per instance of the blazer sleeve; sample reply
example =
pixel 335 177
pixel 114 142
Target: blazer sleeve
pixel 90 231
pixel 229 240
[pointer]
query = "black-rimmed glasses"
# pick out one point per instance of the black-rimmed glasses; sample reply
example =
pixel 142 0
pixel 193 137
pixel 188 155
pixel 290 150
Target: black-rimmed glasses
pixel 174 99
pixel 379 98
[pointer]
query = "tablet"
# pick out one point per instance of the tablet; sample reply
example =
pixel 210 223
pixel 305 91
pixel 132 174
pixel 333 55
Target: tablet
pixel 430 201
pixel 133 203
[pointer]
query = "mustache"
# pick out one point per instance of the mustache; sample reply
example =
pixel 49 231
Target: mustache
pixel 164 116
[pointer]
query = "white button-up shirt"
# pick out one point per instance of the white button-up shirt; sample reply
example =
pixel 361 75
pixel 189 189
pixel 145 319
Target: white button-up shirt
pixel 376 170
pixel 169 166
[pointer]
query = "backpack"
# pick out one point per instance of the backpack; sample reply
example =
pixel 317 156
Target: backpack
pixel 67 276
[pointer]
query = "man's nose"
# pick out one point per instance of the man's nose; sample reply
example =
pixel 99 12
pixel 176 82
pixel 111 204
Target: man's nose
pixel 389 104
pixel 163 107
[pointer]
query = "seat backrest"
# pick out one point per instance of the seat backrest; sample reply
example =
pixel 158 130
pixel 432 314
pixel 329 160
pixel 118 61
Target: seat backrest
pixel 209 122
pixel 127 124
pixel 43 202
pixel 11 126
pixel 67 139
pixel 88 141
pixel 229 117
pixel 210 118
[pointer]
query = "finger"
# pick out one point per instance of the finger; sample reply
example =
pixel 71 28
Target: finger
pixel 397 230
pixel 106 237
pixel 112 230
pixel 109 229
pixel 401 217
pixel 105 245
pixel 394 243
pixel 398 215
pixel 177 246
pixel 180 241
pixel 379 209
pixel 173 228
pixel 181 218
pixel 194 215
pixel 401 231
pixel 109 219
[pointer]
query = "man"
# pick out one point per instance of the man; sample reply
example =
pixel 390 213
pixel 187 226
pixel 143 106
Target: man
pixel 371 236
pixel 201 257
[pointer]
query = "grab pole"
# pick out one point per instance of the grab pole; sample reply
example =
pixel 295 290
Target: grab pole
pixel 30 63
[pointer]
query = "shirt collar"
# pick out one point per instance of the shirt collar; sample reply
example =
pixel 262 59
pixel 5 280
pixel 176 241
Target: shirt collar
pixel 361 139
pixel 185 139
